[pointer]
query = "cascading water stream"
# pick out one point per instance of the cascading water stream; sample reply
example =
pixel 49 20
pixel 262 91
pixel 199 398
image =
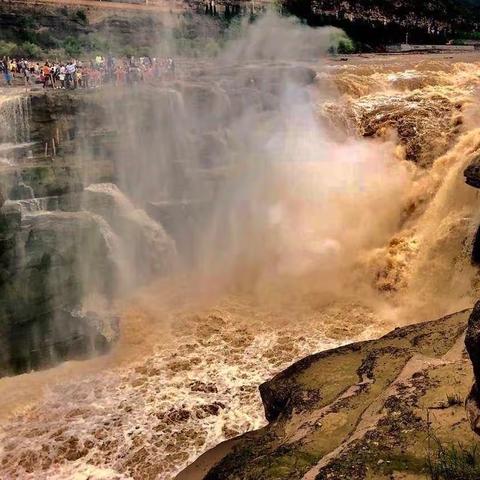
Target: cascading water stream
pixel 15 119
pixel 15 114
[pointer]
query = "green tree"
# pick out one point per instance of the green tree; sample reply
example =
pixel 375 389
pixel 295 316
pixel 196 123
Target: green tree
pixel 29 50
pixel 341 43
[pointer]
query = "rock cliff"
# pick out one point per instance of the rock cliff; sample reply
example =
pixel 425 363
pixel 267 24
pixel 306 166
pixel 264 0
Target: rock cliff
pixel 66 235
pixel 75 28
pixel 380 23
pixel 373 24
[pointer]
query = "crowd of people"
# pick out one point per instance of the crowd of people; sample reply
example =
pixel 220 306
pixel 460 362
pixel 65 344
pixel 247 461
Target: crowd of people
pixel 77 74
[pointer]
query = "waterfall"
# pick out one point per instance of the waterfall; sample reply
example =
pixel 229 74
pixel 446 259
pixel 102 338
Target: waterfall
pixel 15 115
pixel 34 205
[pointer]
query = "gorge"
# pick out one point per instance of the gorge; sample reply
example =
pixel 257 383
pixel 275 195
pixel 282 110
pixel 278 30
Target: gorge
pixel 246 220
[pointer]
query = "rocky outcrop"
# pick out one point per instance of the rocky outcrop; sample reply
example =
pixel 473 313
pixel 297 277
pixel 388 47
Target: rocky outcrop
pixel 472 342
pixel 360 411
pixel 48 262
pixel 472 178
pixel 65 232
pixel 472 174
pixel 472 337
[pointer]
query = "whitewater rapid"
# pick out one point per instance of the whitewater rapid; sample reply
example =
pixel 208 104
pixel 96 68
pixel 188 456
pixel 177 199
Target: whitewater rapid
pixel 197 385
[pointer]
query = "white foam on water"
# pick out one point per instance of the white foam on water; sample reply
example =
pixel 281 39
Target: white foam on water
pixel 151 419
pixel 9 146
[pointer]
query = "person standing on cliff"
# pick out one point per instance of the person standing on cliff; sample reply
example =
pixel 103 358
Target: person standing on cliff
pixel 68 75
pixel 5 71
pixel 13 67
pixel 46 72
pixel 54 75
pixel 25 71
pixel 61 76
pixel 71 80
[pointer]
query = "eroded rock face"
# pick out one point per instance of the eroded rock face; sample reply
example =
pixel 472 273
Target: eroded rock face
pixel 472 178
pixel 48 261
pixel 472 342
pixel 51 261
pixel 60 245
pixel 472 338
pixel 382 23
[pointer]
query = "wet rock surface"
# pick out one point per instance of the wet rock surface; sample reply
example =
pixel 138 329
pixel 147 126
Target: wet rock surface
pixel 472 174
pixel 50 261
pixel 352 410
pixel 61 241
pixel 43 276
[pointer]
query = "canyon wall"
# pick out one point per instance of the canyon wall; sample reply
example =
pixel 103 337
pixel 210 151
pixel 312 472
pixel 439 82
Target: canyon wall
pixel 381 23
pixel 65 234
pixel 87 28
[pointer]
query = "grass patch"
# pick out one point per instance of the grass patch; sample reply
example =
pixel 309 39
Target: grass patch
pixel 453 462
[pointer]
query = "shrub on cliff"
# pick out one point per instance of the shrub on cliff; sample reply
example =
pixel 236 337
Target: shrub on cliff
pixel 7 49
pixel 29 50
pixel 80 17
pixel 26 50
pixel 72 47
pixel 341 43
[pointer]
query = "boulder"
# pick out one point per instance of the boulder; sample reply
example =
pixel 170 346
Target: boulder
pixel 67 335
